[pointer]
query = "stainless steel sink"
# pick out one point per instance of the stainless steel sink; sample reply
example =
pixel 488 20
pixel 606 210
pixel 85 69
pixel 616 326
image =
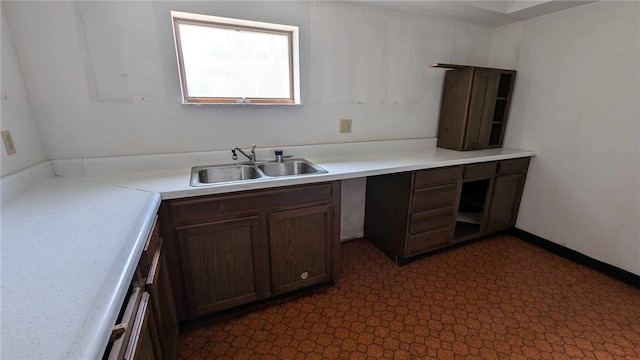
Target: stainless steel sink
pixel 291 167
pixel 212 174
pixel 202 175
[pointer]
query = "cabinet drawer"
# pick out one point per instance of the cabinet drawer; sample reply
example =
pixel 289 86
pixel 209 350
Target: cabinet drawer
pixel 123 329
pixel 220 205
pixel 437 176
pixel 513 166
pixel 480 171
pixel 431 240
pixel 436 196
pixel 143 343
pixel 150 247
pixel 431 220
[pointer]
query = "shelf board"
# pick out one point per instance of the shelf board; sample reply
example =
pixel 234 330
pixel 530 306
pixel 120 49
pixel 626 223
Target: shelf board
pixel 470 217
pixel 449 66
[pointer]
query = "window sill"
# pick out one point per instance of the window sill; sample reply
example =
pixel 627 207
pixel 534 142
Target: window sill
pixel 241 104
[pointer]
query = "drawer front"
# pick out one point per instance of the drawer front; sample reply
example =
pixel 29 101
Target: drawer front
pixel 513 166
pixel 480 171
pixel 433 197
pixel 220 205
pixel 150 247
pixel 431 220
pixel 122 331
pixel 437 176
pixel 431 240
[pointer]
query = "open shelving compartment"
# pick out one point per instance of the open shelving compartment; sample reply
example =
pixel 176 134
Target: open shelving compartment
pixel 500 109
pixel 472 208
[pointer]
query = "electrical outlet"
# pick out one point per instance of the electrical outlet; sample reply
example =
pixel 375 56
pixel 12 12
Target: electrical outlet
pixel 345 126
pixel 9 146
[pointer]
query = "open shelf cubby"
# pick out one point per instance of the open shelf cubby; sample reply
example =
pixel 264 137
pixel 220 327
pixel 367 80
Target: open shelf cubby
pixel 473 199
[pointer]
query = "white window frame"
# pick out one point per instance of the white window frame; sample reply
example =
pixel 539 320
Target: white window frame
pixel 221 22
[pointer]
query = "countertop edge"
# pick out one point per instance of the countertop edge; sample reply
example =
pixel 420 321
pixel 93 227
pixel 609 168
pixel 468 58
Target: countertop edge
pixel 331 176
pixel 113 306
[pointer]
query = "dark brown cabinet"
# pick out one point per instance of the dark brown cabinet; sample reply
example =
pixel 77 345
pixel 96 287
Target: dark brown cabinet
pixel 234 249
pixel 507 192
pixel 474 107
pixel 144 343
pixel 412 213
pixel 159 288
pixel 223 264
pixel 147 327
pixel 300 246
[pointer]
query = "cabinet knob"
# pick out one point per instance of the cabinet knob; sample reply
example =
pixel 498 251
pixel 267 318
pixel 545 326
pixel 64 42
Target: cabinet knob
pixel 304 275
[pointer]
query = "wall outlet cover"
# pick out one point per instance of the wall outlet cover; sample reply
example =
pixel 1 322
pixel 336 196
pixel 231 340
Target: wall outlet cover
pixel 9 146
pixel 345 126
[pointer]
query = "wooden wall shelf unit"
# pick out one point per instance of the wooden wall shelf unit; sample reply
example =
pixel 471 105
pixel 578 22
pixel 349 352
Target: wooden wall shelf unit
pixel 475 106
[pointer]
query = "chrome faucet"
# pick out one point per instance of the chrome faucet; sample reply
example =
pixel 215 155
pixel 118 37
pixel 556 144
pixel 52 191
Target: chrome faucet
pixel 251 156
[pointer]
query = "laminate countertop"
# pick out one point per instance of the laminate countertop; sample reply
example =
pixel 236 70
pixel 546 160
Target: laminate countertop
pixel 70 243
pixel 172 181
pixel 69 252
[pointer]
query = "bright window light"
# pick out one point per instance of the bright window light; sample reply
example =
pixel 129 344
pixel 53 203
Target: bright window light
pixel 233 61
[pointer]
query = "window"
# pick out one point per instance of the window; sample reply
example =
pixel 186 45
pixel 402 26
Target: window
pixel 232 61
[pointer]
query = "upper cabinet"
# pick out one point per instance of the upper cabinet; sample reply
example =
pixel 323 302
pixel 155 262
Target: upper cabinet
pixel 475 107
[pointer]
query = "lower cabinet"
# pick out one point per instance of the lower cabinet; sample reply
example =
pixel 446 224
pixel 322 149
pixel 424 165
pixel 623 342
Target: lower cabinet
pixel 507 192
pixel 161 299
pixel 300 243
pixel 235 249
pixel 147 327
pixel 145 342
pixel 411 213
pixel 224 263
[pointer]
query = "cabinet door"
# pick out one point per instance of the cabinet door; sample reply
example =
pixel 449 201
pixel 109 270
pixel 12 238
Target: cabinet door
pixel 481 107
pixel 505 202
pixel 301 247
pixel 144 343
pixel 224 264
pixel 159 289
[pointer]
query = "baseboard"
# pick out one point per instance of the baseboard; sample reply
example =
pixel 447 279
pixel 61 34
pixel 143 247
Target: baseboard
pixel 597 265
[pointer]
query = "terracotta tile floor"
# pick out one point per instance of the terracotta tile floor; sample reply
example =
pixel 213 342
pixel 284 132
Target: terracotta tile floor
pixel 500 298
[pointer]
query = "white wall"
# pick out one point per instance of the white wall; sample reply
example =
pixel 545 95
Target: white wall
pixel 576 103
pixel 15 111
pixel 103 80
pixel 505 44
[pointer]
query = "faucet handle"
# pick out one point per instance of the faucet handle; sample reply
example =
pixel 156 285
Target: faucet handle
pixel 278 154
pixel 253 148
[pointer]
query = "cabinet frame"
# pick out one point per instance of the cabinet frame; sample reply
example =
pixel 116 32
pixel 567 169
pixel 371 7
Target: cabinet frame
pixel 180 213
pixel 274 220
pixel 398 228
pixel 258 250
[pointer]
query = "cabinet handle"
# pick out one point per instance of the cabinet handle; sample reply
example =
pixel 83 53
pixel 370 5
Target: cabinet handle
pixel 304 275
pixel 117 331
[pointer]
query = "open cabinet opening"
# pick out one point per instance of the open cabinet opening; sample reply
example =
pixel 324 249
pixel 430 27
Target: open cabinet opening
pixel 471 210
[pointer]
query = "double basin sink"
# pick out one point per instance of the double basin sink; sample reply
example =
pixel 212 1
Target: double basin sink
pixel 212 174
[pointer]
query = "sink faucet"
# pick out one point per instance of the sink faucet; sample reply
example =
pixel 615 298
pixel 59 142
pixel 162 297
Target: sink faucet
pixel 280 158
pixel 251 156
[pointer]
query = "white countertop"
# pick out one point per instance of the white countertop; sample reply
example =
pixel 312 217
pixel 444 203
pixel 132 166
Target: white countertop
pixel 69 251
pixel 173 183
pixel 70 246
